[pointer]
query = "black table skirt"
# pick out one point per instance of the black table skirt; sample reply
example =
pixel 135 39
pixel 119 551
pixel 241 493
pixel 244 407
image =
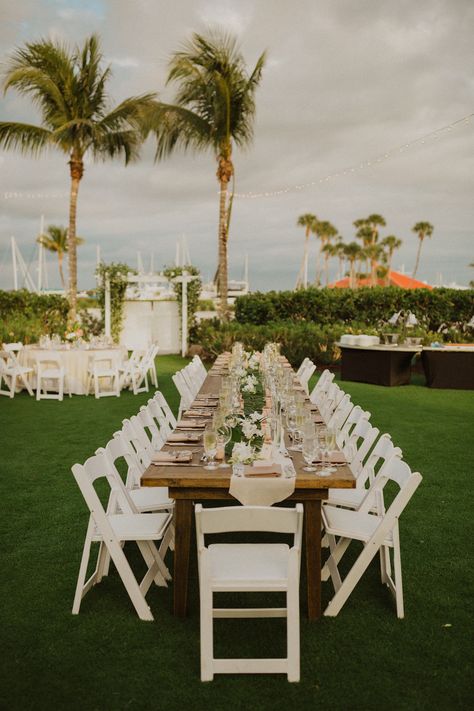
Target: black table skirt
pixel 378 367
pixel 449 369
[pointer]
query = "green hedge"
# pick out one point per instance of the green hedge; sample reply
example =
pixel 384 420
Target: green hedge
pixel 435 307
pixel 25 316
pixel 297 340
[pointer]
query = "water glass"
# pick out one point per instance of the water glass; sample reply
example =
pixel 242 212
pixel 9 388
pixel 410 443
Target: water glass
pixel 210 446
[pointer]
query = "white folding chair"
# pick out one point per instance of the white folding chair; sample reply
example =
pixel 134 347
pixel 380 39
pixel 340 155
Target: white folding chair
pixel 356 414
pixel 149 365
pixel 249 567
pixel 306 361
pixel 383 451
pixel 340 414
pixel 130 369
pixel 147 422
pixel 306 374
pixel 50 372
pixel 160 400
pixel 138 440
pixel 319 390
pixel 330 401
pixel 111 529
pixel 100 368
pixel 201 368
pixel 12 372
pixel 186 396
pixel 144 498
pixel 360 442
pixel 376 533
pixel 159 417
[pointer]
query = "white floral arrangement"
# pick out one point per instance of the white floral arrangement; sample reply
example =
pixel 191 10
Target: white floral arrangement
pixel 242 453
pixel 249 383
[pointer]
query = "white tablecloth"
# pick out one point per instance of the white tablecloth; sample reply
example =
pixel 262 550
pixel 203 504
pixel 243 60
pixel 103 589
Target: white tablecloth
pixel 75 361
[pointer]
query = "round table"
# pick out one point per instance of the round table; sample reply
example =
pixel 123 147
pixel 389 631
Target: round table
pixel 74 360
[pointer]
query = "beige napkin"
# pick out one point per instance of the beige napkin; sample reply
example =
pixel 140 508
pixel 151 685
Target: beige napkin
pixel 337 458
pixel 262 487
pixel 171 457
pixel 184 437
pixel 190 425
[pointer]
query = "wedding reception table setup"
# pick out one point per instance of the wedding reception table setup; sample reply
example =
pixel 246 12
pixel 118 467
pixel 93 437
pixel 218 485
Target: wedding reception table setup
pixel 251 410
pixel 376 363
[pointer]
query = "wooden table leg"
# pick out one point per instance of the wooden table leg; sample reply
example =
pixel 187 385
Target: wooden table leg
pixel 183 516
pixel 312 530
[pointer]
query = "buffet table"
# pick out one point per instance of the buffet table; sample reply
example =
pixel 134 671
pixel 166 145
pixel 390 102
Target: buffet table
pixel 449 367
pixel 378 365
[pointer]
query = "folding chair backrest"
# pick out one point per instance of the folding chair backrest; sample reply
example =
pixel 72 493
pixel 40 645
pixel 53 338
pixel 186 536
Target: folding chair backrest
pixel 115 450
pixel 184 391
pixel 149 426
pixel 356 414
pixel 398 471
pixel 163 404
pixel 200 367
pixel 159 417
pixel 341 413
pixel 249 518
pixel 360 442
pixel 138 441
pixel 303 365
pixel 86 474
pixel 13 347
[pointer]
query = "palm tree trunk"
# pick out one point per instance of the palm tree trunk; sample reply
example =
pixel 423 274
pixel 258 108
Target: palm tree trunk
pixel 418 255
pixel 77 169
pixel 352 274
pixel 389 269
pixel 222 250
pixel 326 269
pixel 60 265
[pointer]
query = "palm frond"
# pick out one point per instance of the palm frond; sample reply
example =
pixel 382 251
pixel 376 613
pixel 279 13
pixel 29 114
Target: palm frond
pixel 24 137
pixel 176 126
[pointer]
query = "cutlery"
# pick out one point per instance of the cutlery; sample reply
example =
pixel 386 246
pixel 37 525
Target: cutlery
pixel 175 464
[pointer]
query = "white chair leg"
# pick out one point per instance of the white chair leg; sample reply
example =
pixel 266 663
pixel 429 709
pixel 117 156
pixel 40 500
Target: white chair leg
pixel 397 566
pixel 13 389
pixel 350 581
pixel 336 554
pixel 129 581
pixel 207 645
pixel 81 578
pixel 293 629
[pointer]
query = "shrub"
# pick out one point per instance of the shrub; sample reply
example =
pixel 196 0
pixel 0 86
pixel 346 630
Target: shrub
pixel 25 316
pixel 435 308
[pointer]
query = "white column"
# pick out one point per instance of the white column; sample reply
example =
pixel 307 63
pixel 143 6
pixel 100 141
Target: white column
pixel 184 314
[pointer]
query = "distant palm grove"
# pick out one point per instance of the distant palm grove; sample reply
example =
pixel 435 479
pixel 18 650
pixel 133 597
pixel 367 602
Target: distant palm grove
pixel 368 262
pixel 214 109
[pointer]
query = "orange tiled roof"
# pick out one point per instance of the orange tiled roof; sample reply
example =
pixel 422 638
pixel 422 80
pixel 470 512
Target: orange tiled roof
pixel 396 279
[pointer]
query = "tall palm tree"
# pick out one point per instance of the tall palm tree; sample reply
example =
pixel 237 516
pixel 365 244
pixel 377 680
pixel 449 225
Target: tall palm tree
pixel 374 252
pixel 69 88
pixel 422 229
pixel 307 221
pixel 329 250
pixel 390 244
pixel 325 232
pixel 55 240
pixel 352 252
pixel 214 109
pixel 368 232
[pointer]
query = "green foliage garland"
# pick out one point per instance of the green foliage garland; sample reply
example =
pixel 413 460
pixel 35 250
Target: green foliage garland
pixel 117 273
pixel 194 291
pixel 25 316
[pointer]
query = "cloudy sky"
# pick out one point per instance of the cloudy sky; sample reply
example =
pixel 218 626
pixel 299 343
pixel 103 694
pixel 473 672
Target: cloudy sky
pixel 345 82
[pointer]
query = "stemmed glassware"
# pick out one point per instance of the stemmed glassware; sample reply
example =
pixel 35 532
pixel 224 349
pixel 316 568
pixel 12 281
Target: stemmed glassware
pixel 224 433
pixel 310 449
pixel 210 446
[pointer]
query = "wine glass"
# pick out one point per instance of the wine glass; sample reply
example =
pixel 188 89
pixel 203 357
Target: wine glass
pixel 224 434
pixel 210 446
pixel 310 448
pixel 325 451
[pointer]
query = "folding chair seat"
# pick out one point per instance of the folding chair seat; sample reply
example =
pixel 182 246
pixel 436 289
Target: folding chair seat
pixel 383 451
pixel 250 567
pixel 11 370
pixel 50 372
pixel 376 533
pixel 102 368
pixel 111 529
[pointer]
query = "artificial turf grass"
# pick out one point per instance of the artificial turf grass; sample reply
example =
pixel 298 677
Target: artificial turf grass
pixel 106 658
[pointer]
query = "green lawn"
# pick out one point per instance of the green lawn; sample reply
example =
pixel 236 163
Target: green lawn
pixel 107 659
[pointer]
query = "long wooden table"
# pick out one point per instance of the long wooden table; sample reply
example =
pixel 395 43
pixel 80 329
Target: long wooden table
pixel 188 484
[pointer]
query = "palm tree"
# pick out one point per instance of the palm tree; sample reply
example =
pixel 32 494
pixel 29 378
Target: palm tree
pixel 69 88
pixel 329 250
pixel 214 109
pixel 422 229
pixel 390 244
pixel 55 240
pixel 352 252
pixel 325 232
pixel 368 232
pixel 307 221
pixel 374 253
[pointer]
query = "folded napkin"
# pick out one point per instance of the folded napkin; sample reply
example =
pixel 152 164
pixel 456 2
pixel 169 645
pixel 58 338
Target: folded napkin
pixel 318 420
pixel 206 398
pixel 337 458
pixel 190 425
pixel 171 457
pixel 197 413
pixel 184 437
pixel 263 486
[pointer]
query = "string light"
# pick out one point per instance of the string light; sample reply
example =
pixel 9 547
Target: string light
pixel 369 163
pixel 33 196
